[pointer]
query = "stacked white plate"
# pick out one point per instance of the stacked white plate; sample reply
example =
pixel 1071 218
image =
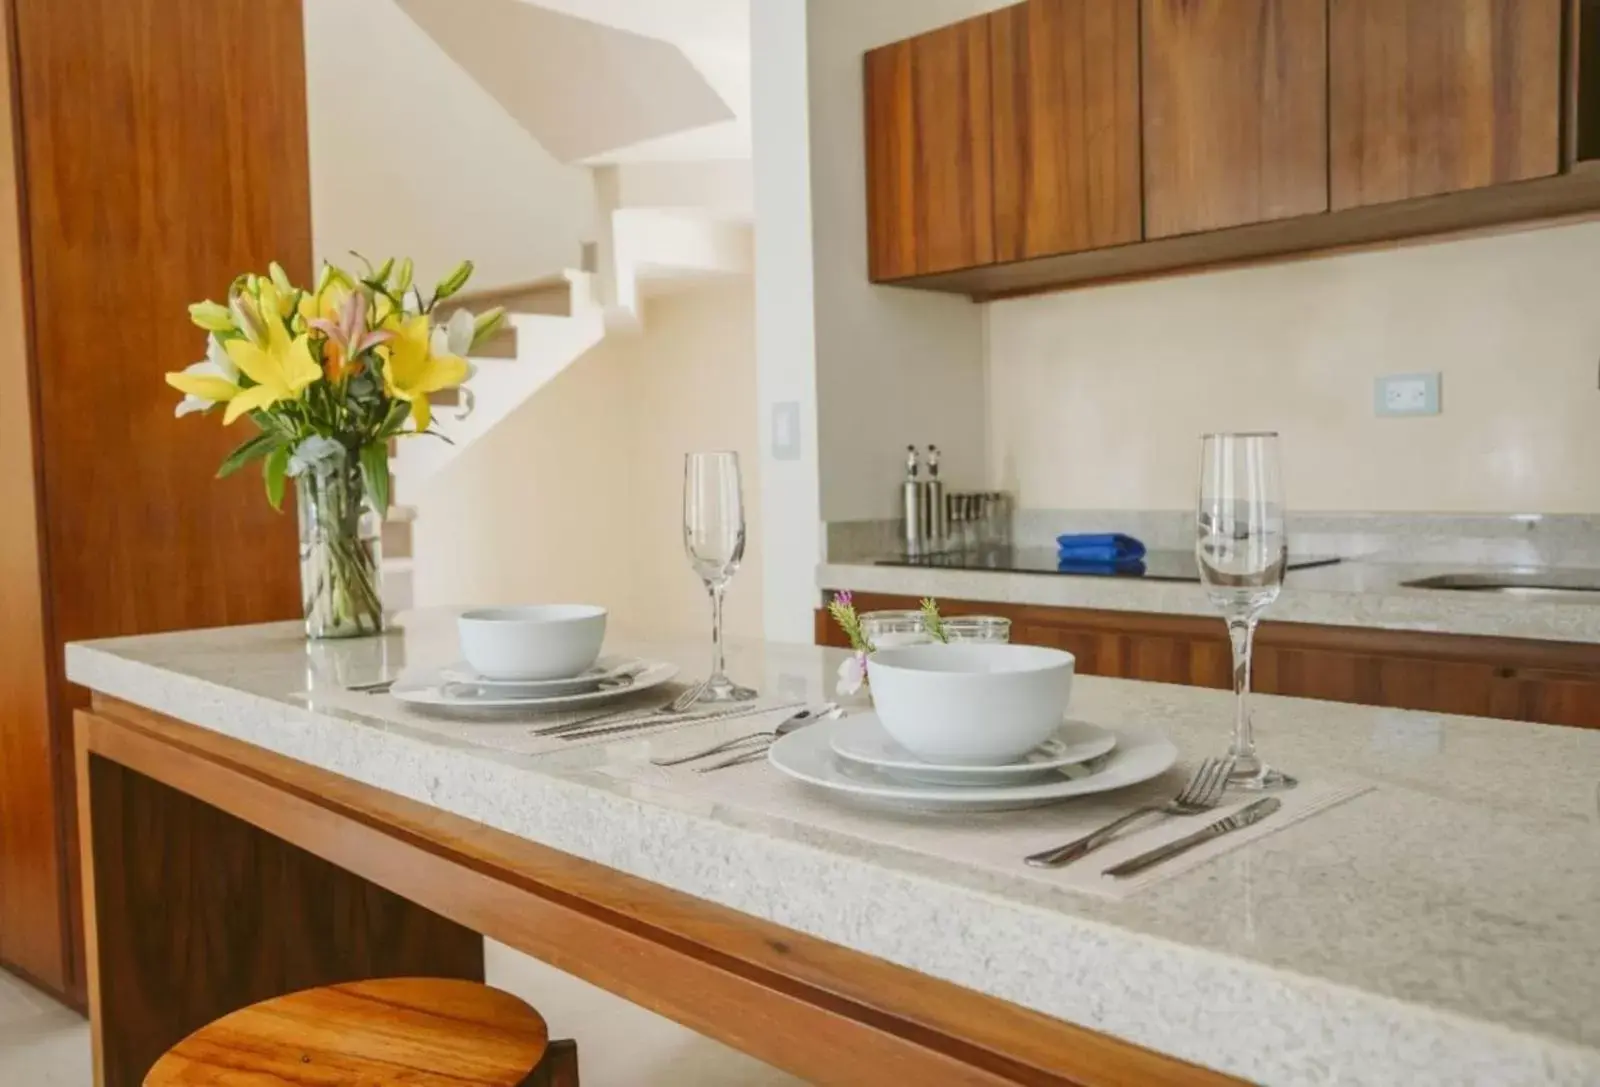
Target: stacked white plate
pixel 856 757
pixel 460 688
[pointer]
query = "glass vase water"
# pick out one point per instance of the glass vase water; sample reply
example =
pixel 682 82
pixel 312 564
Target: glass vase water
pixel 1241 545
pixel 341 553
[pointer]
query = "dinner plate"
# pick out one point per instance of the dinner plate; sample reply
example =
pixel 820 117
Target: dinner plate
pixel 862 739
pixel 587 680
pixel 807 755
pixel 432 692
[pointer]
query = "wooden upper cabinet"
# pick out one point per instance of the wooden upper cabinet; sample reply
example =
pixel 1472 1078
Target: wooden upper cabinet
pixel 1235 112
pixel 1066 126
pixel 1435 96
pixel 930 201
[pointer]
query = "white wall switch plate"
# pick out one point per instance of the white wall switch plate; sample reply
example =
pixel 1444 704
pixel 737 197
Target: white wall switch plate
pixel 786 430
pixel 1407 394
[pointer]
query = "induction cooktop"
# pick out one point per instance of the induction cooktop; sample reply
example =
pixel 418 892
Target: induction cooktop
pixel 1155 566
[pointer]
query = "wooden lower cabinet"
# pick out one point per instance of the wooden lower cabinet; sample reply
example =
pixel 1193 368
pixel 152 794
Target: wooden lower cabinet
pixel 1555 683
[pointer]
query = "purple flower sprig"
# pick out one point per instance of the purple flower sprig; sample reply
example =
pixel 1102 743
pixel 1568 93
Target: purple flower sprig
pixel 842 608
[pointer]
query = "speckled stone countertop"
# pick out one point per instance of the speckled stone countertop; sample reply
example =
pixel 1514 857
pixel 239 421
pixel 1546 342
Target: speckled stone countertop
pixel 1441 929
pixel 1353 593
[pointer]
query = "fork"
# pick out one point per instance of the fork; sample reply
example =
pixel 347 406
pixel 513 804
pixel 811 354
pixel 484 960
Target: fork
pixel 825 712
pixel 677 706
pixel 1201 794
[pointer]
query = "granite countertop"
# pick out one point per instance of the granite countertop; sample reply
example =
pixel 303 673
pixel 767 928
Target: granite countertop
pixel 1352 593
pixel 1440 929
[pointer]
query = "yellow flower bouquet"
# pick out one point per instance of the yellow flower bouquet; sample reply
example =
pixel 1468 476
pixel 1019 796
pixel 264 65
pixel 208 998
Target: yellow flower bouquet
pixel 329 376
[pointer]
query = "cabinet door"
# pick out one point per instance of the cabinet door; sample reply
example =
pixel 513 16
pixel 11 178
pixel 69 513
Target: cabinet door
pixel 930 202
pixel 1235 112
pixel 1066 126
pixel 1434 96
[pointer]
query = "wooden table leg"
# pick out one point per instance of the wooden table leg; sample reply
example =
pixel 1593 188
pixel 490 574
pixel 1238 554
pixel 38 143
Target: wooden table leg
pixel 559 1067
pixel 192 913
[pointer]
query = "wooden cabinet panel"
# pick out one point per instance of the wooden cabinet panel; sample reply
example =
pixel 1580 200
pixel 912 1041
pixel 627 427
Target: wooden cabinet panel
pixel 1435 96
pixel 1235 112
pixel 1550 682
pixel 156 167
pixel 1066 126
pixel 930 198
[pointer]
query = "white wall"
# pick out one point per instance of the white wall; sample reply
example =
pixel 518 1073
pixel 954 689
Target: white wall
pixel 410 156
pixel 576 496
pixel 1097 396
pixel 894 367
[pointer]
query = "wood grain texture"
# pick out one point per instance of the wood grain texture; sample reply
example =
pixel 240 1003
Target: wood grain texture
pixel 422 1032
pixel 1555 683
pixel 162 157
pixel 1435 96
pixel 1552 201
pixel 930 196
pixel 1235 113
pixel 196 914
pixel 823 1012
pixel 1065 76
pixel 33 880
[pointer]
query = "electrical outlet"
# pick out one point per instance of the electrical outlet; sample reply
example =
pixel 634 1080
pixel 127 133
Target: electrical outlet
pixel 1407 394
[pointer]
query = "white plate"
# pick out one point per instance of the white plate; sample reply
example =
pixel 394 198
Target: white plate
pixel 429 692
pixel 807 754
pixel 588 680
pixel 863 739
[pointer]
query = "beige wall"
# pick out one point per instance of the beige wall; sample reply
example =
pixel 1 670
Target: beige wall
pixel 410 156
pixel 577 495
pixel 1097 397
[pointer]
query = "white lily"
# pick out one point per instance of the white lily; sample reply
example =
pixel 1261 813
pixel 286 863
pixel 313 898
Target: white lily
pixel 455 336
pixel 216 364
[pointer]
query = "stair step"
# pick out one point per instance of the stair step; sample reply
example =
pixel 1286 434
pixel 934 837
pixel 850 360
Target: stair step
pixel 397 540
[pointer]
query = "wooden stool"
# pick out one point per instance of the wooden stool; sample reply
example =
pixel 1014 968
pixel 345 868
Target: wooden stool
pixel 422 1032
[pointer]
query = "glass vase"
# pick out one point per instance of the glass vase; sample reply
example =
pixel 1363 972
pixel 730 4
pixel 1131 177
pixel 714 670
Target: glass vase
pixel 341 549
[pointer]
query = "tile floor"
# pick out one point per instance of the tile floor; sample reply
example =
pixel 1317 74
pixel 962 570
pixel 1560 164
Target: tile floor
pixel 44 1045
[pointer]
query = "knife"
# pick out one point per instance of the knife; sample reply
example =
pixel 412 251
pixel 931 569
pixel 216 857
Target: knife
pixel 1244 817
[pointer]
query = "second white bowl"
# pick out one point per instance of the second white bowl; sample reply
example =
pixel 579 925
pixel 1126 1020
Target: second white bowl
pixel 540 641
pixel 977 705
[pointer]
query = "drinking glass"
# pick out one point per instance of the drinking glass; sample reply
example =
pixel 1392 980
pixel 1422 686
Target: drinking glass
pixel 713 537
pixel 1242 548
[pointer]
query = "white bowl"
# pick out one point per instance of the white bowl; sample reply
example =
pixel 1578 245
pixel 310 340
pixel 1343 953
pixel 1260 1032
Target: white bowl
pixel 541 641
pixel 972 704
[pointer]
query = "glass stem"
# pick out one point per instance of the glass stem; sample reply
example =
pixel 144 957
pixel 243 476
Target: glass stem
pixel 716 632
pixel 1242 633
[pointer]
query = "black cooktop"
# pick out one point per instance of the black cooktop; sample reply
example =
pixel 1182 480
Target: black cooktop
pixel 1155 566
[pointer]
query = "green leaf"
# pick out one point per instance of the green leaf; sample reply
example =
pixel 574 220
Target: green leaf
pixel 276 470
pixel 375 473
pixel 254 449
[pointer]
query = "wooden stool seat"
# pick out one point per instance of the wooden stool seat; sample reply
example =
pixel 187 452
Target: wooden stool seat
pixel 420 1032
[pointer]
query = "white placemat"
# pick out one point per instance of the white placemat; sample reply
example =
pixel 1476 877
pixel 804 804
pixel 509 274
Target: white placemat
pixel 515 732
pixel 998 840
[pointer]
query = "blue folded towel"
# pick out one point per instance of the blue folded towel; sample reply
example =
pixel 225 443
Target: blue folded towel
pixel 1109 547
pixel 1131 568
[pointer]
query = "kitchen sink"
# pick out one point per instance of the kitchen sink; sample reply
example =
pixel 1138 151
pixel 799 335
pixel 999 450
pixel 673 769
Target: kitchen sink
pixel 1572 584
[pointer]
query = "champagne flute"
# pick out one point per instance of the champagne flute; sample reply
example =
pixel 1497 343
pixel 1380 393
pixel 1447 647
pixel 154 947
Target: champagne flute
pixel 1241 545
pixel 713 537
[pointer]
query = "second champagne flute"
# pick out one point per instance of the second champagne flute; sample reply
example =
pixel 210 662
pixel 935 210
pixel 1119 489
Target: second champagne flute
pixel 713 538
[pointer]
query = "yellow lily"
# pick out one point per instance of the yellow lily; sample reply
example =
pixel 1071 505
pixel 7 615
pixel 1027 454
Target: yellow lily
pixel 280 367
pixel 411 371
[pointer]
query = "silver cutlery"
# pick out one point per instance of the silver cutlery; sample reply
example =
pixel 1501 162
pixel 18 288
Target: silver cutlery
pixel 1200 795
pixel 664 720
pixel 1244 817
pixel 804 717
pixel 377 686
pixel 677 706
